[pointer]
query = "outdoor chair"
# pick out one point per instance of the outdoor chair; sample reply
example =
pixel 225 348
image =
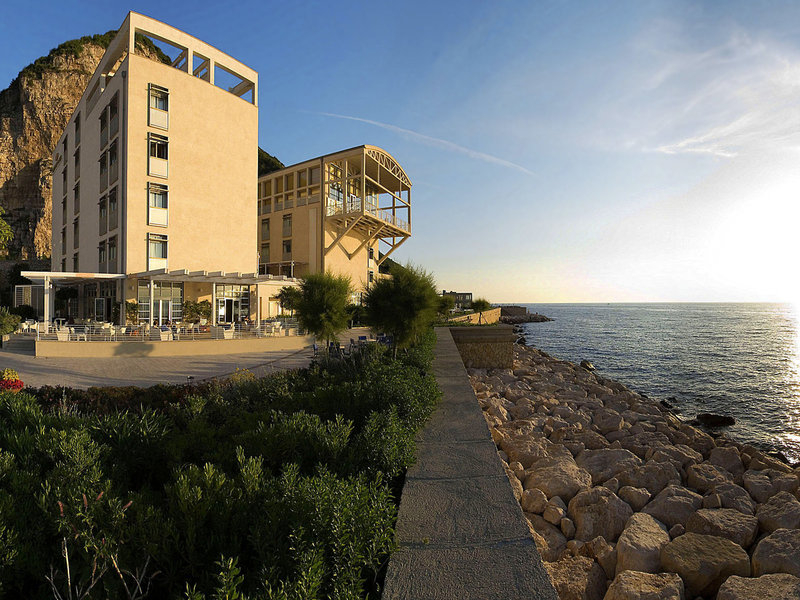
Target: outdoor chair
pixel 62 335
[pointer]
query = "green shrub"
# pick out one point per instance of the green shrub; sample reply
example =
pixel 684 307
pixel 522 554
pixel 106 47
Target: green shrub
pixel 8 321
pixel 278 487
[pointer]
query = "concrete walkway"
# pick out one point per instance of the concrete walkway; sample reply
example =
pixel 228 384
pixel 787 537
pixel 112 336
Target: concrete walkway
pixel 83 373
pixel 461 532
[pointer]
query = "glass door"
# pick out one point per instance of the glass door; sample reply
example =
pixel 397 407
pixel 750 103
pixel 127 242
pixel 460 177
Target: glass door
pixel 162 311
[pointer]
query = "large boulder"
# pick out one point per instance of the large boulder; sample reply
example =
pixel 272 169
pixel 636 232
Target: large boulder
pixel 603 552
pixel 680 455
pixel 606 420
pixel 730 495
pixel 704 562
pixel 782 511
pixel 778 586
pixel 705 476
pixel 558 476
pixel 762 485
pixel 639 545
pixel 636 497
pixel 633 585
pixel 534 501
pixel 550 536
pixel 724 522
pixel 728 458
pixel 605 463
pixel 779 552
pixel 577 578
pixel 528 449
pixel 675 504
pixel 598 511
pixel 653 476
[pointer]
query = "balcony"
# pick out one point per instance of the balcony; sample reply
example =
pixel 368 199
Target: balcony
pixel 113 172
pixel 103 177
pixel 353 205
pixel 114 124
pixel 103 137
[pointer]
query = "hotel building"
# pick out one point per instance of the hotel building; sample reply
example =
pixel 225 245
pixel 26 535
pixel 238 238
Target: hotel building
pixel 152 192
pixel 152 183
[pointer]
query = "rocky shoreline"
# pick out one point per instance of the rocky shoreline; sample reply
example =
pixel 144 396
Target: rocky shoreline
pixel 626 501
pixel 526 318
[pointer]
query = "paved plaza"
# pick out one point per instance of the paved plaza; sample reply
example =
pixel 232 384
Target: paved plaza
pixel 83 373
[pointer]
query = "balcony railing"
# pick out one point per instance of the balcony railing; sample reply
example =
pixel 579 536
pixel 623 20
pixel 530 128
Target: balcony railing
pixel 353 204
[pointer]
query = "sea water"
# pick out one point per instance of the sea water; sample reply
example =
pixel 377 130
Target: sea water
pixel 741 360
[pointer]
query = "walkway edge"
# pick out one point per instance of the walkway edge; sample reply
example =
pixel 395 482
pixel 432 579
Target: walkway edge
pixel 460 530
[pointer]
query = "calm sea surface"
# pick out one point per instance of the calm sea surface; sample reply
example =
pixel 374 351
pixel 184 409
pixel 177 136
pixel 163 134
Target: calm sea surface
pixel 741 360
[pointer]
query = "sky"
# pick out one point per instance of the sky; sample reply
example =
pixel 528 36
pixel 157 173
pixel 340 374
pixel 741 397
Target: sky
pixel 559 151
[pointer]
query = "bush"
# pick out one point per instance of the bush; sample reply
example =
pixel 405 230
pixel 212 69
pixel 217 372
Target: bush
pixel 8 321
pixel 278 487
pixel 25 312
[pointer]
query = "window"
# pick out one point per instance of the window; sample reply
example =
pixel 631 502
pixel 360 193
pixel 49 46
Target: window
pixel 63 264
pixel 101 253
pixel 77 129
pixel 64 210
pixel 77 157
pixel 64 177
pixel 112 253
pixel 103 212
pixel 75 262
pixel 264 253
pixel 371 276
pixel 158 115
pixel 113 117
pixel 112 163
pixel 76 195
pixel 103 171
pixel 287 225
pixel 371 253
pixel 265 229
pixel 268 187
pixel 64 240
pixel 157 245
pixel 158 146
pixel 112 209
pixel 103 129
pixel 287 250
pixel 158 204
pixel 75 236
pixel 159 97
pixel 289 179
pixel 302 178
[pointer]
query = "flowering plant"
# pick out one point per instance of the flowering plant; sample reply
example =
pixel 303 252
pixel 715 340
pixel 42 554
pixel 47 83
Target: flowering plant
pixel 10 375
pixel 10 386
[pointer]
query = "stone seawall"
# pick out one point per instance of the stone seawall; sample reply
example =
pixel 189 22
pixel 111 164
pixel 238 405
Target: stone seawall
pixel 487 348
pixel 487 317
pixel 624 500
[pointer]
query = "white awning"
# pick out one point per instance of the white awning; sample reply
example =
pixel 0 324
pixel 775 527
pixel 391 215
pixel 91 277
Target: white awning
pixel 64 277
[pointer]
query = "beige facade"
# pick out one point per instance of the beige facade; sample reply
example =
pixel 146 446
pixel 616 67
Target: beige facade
pixel 152 179
pixel 344 212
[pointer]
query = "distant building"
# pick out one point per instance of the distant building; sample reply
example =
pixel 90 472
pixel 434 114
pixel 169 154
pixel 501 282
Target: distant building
pixel 462 300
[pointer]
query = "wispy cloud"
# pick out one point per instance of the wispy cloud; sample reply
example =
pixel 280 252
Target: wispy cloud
pixel 435 142
pixel 726 99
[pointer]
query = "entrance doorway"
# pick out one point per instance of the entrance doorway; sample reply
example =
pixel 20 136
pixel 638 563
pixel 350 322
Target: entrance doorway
pixel 162 311
pixel 229 310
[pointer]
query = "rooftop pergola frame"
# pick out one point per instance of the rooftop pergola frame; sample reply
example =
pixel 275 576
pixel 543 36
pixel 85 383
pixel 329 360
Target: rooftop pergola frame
pixel 366 191
pixel 193 56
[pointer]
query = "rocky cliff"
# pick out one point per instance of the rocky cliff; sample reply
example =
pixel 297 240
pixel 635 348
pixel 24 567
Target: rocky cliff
pixel 34 110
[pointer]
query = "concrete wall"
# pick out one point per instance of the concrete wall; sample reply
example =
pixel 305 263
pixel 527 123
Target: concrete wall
pixel 485 348
pixel 53 349
pixel 487 317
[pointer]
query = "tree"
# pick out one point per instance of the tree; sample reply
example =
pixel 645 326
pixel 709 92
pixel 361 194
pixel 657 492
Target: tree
pixel 322 306
pixel 480 305
pixel 289 297
pixel 267 163
pixel 194 312
pixel 446 304
pixel 403 305
pixel 132 311
pixel 6 233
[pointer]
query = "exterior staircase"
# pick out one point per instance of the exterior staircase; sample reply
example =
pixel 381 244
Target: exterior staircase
pixel 19 344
